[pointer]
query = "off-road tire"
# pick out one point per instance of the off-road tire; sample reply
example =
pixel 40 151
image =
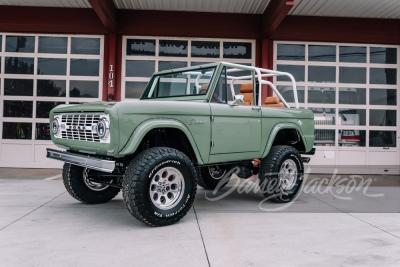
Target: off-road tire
pixel 270 183
pixel 76 187
pixel 139 176
pixel 206 181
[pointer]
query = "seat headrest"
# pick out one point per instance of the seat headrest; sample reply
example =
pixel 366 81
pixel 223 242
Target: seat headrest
pixel 204 86
pixel 272 100
pixel 246 88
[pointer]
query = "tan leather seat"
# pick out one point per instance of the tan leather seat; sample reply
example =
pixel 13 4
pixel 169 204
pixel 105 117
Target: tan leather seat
pixel 246 90
pixel 273 101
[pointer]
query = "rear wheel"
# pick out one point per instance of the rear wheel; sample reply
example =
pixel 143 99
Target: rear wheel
pixel 212 177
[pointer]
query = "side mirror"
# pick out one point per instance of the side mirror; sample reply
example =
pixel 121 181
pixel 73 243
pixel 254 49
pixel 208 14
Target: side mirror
pixel 238 99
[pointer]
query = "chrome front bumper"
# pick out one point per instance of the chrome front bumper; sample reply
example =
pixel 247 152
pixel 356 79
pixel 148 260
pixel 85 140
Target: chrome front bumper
pixel 83 161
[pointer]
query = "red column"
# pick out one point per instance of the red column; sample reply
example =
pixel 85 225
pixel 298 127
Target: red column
pixel 264 59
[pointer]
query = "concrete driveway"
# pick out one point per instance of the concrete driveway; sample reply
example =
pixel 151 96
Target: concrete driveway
pixel 41 225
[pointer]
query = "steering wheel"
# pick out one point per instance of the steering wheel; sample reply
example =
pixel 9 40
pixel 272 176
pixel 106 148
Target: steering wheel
pixel 203 91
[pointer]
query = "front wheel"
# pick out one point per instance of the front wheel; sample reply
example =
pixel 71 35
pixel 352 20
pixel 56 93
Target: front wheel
pixel 159 186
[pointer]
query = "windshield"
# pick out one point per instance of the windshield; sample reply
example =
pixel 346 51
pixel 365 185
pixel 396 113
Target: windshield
pixel 175 84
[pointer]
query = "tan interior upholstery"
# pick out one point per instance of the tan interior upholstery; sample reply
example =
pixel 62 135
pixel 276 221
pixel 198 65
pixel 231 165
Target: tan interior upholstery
pixel 203 89
pixel 273 101
pixel 246 90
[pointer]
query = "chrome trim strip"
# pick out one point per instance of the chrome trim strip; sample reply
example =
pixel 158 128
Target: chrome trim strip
pixel 83 161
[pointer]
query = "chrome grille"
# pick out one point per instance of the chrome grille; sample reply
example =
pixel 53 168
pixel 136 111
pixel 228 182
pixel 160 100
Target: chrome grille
pixel 79 127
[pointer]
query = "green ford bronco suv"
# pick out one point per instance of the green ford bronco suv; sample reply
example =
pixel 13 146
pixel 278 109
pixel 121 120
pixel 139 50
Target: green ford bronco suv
pixel 192 126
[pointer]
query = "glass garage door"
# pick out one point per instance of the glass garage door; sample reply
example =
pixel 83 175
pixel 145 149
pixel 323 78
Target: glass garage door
pixel 353 91
pixel 39 72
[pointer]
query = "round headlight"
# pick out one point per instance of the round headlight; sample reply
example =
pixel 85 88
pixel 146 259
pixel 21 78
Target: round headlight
pixel 102 128
pixel 55 126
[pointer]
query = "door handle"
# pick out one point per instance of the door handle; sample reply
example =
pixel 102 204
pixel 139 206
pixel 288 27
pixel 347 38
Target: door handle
pixel 256 108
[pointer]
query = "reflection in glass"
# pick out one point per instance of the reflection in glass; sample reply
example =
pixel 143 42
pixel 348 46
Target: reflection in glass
pixel 43 131
pixel 52 66
pixel 43 108
pixel 139 68
pixel 193 63
pixel 86 46
pixel 322 95
pixel 21 87
pixel 140 47
pixel 1 43
pixel 21 109
pixel 17 130
pixel 383 97
pixel 287 93
pixel 352 96
pixel 294 52
pixel 84 67
pixel 296 70
pixel 54 45
pixel 205 49
pixel 19 65
pixel 352 75
pixel 20 44
pixel 169 65
pixel 134 89
pixel 89 89
pixel 237 50
pixel 324 137
pixel 383 55
pixel 354 54
pixel 53 88
pixel 173 48
pixel 382 76
pixel 241 73
pixel 321 74
pixel 349 137
pixel 324 116
pixel 382 138
pixel 378 117
pixel 352 116
pixel 326 53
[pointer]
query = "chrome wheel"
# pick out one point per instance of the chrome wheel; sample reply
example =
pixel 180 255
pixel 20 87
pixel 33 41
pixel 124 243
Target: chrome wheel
pixel 288 174
pixel 92 185
pixel 216 172
pixel 166 188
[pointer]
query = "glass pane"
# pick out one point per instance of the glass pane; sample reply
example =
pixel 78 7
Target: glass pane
pixel 220 93
pixel 355 54
pixel 139 68
pixel 169 65
pixel 84 67
pixel 43 131
pixel 52 66
pixel 21 87
pixel 1 42
pixel 17 130
pixel 237 50
pixel 51 88
pixel 54 45
pixel 352 96
pixel 287 93
pixel 296 70
pixel 383 97
pixel 323 95
pixel 352 75
pixel 352 116
pixel 382 117
pixel 324 116
pixel 382 76
pixel 87 46
pixel 382 138
pixel 134 89
pixel 43 108
pixel 321 74
pixel 21 109
pixel 352 137
pixel 140 47
pixel 324 137
pixel 173 48
pixel 193 63
pixel 20 44
pixel 205 49
pixel 89 89
pixel 19 65
pixel 325 53
pixel 291 52
pixel 383 55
